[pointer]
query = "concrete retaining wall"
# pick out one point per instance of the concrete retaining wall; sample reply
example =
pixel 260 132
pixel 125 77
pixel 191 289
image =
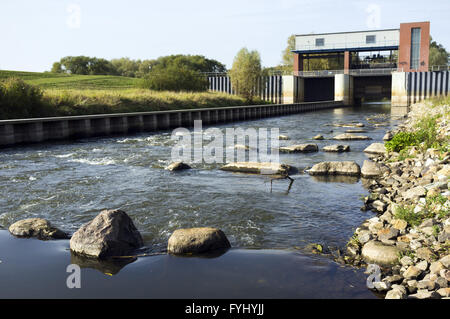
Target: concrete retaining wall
pixel 37 130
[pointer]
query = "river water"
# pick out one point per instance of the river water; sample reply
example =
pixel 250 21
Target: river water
pixel 69 183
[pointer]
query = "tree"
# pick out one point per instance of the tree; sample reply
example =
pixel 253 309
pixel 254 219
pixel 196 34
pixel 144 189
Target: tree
pixel 175 77
pixel 245 73
pixel 288 56
pixel 438 54
pixel 56 68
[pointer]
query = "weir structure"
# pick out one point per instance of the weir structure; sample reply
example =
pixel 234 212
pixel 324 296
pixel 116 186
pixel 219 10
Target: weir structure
pixel 368 65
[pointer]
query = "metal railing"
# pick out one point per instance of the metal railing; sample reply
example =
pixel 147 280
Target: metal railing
pixel 347 45
pixel 439 68
pixel 325 73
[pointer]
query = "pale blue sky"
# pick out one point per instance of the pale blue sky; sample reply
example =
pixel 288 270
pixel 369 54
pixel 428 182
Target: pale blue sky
pixel 34 34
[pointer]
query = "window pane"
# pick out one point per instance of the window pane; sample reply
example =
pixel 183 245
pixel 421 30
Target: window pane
pixel 415 48
pixel 320 42
pixel 370 39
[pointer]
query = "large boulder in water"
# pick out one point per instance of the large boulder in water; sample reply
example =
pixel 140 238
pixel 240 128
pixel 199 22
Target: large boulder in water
pixel 336 168
pixel 197 240
pixel 375 148
pixel 110 233
pixel 370 169
pixel 300 148
pixel 36 227
pixel 378 253
pixel 265 168
pixel 338 148
pixel 177 166
pixel 350 137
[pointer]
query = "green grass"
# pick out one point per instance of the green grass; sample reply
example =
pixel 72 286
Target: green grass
pixel 434 207
pixel 49 80
pixel 65 95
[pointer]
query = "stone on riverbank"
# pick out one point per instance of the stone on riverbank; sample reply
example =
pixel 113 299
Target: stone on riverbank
pixel 378 253
pixel 351 137
pixel 264 168
pixel 375 148
pixel 337 148
pixel 110 233
pixel 350 125
pixel 335 168
pixel 300 148
pixel 283 137
pixel 370 169
pixel 36 227
pixel 197 240
pixel 318 137
pixel 177 166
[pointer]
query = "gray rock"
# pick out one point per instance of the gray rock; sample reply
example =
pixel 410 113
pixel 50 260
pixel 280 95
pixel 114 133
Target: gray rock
pixel 338 148
pixel 364 236
pixel 445 261
pixel 197 240
pixel 336 168
pixel 424 294
pixel 423 265
pixel 379 206
pixel 350 137
pixel 36 227
pixel 395 294
pixel 177 166
pixel 110 233
pixel 375 148
pixel 426 284
pixel 406 261
pixel 436 267
pixel 387 233
pixel 415 192
pixel 318 137
pixel 425 253
pixel 412 272
pixel 370 169
pixel 382 285
pixel 444 292
pixel 388 136
pixel 376 252
pixel 300 148
pixel 441 282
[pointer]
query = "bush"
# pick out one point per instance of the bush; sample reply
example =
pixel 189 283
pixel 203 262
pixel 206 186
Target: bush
pixel 20 100
pixel 175 78
pixel 401 141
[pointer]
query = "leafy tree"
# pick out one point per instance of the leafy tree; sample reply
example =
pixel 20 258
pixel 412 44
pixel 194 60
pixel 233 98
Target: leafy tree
pixel 56 68
pixel 288 56
pixel 175 77
pixel 438 54
pixel 245 73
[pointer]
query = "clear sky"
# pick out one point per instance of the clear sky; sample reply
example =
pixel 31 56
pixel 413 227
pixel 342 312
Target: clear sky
pixel 34 34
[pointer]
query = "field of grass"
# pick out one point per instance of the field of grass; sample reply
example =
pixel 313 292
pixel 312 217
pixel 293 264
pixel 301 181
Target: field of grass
pixel 49 80
pixel 65 95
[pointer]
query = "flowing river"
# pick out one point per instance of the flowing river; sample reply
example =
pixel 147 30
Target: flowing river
pixel 69 183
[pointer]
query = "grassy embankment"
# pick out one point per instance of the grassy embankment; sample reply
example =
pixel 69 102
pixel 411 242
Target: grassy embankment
pixel 65 95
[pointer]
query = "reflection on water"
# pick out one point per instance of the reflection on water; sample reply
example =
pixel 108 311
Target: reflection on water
pixel 336 179
pixel 70 183
pixel 106 266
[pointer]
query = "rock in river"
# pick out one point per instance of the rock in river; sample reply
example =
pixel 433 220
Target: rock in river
pixel 177 166
pixel 265 168
pixel 110 233
pixel 376 252
pixel 370 169
pixel 197 240
pixel 36 227
pixel 300 148
pixel 376 148
pixel 336 168
pixel 347 136
pixel 337 148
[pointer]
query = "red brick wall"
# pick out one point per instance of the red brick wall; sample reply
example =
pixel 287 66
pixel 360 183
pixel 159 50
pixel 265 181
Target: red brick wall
pixel 404 50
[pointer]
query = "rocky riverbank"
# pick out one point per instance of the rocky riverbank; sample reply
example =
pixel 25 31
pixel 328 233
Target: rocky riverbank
pixel 409 239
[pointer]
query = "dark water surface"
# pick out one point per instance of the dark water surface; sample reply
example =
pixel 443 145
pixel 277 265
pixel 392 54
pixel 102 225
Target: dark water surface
pixel 70 183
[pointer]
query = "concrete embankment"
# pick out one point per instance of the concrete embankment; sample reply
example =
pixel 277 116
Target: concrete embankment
pixel 37 130
pixel 410 236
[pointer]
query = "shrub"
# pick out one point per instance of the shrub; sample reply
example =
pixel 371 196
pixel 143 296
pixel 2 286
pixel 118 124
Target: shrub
pixel 401 141
pixel 175 78
pixel 20 100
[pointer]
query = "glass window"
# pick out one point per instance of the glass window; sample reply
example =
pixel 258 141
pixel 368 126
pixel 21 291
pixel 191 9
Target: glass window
pixel 370 39
pixel 415 48
pixel 320 42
